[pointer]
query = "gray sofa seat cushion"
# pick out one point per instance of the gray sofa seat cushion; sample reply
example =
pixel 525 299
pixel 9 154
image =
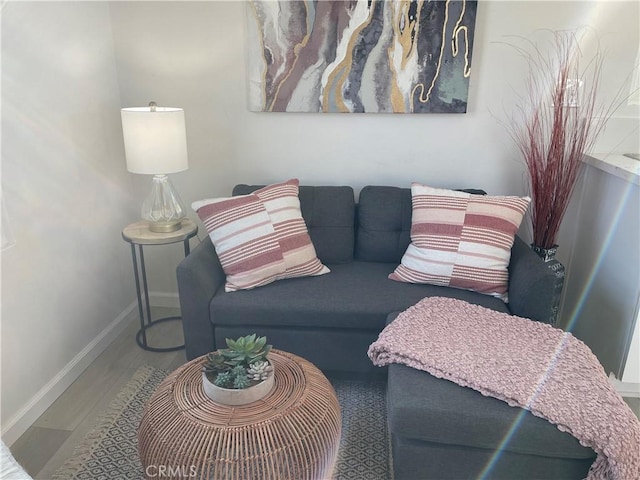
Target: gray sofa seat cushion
pixel 357 295
pixel 329 212
pixel 425 408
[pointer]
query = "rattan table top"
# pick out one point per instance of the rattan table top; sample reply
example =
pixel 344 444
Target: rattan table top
pixel 293 432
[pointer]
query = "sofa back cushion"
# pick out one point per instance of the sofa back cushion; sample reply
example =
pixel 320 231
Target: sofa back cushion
pixel 384 223
pixel 329 212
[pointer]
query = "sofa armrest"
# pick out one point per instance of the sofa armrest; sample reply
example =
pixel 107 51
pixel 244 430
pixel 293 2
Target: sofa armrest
pixel 531 284
pixel 200 275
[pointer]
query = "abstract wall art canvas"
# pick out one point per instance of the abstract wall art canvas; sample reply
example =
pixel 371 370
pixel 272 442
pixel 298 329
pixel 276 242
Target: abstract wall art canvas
pixel 396 56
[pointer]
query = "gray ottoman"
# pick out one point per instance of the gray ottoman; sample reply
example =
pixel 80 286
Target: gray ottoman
pixel 440 430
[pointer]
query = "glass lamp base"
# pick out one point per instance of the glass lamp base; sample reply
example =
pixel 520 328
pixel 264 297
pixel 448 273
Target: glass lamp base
pixel 163 208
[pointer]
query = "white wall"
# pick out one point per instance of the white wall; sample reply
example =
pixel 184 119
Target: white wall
pixel 68 279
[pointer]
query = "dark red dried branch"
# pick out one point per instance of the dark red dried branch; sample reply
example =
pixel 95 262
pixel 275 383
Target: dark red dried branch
pixel 553 134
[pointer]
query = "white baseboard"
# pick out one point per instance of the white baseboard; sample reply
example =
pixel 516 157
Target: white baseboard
pixel 44 398
pixel 626 389
pixel 38 404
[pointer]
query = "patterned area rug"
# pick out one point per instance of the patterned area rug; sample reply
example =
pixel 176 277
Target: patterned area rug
pixel 110 450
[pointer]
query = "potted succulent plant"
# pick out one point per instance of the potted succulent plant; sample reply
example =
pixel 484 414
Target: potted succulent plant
pixel 240 373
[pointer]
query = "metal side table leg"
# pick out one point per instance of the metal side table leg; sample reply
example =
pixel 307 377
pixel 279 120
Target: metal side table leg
pixel 140 234
pixel 146 320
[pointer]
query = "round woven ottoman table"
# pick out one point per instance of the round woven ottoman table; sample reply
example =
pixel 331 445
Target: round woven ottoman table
pixel 292 433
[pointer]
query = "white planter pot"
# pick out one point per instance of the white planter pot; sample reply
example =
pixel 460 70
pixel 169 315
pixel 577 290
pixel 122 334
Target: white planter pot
pixel 233 396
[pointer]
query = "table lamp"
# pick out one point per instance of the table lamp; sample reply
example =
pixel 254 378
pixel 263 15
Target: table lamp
pixel 155 143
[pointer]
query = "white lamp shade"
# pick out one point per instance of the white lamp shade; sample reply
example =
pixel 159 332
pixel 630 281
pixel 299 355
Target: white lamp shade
pixel 155 142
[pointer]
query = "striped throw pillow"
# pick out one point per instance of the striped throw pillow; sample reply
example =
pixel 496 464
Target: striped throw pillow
pixel 260 237
pixel 461 240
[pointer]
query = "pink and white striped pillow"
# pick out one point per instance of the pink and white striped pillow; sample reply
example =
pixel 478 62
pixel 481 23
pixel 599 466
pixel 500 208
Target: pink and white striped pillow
pixel 461 240
pixel 260 237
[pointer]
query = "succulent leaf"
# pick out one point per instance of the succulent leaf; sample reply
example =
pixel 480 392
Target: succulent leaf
pixel 223 380
pixel 259 370
pixel 241 381
pixel 246 350
pixel 215 362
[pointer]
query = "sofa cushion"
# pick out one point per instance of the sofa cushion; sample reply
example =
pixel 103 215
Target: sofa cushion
pixel 260 237
pixel 429 409
pixel 461 240
pixel 356 295
pixel 329 213
pixel 384 222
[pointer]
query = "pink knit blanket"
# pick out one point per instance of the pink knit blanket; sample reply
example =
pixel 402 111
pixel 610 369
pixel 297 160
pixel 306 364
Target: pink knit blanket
pixel 525 363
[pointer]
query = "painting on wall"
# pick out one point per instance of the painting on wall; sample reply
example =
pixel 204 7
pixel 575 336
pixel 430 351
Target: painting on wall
pixel 396 56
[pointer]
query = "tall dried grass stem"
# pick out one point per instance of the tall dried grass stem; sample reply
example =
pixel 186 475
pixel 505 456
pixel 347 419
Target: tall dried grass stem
pixel 552 131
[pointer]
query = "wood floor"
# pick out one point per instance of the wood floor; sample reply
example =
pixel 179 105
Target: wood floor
pixel 50 441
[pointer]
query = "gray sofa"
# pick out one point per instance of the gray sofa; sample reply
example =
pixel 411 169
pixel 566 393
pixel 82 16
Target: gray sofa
pixel 332 319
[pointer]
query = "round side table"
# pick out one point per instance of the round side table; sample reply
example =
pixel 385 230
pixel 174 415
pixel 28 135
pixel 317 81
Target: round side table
pixel 292 433
pixel 138 234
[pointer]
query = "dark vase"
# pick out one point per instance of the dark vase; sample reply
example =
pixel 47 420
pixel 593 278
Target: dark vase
pixel 548 255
